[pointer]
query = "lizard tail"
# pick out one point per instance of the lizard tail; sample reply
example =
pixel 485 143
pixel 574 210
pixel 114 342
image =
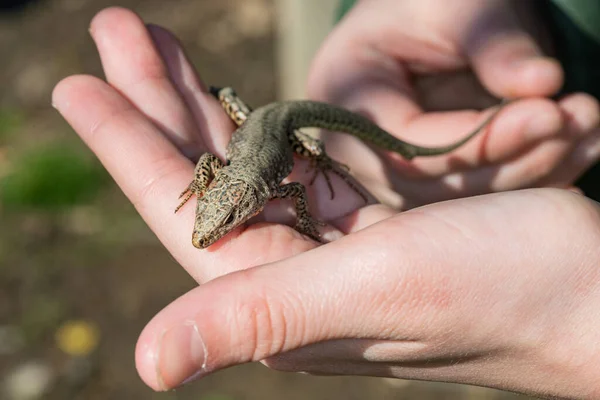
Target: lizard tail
pixel 435 151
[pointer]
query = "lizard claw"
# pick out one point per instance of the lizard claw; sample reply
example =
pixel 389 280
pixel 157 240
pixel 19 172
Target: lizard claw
pixel 308 226
pixel 324 165
pixel 188 193
pixel 185 200
pixel 343 166
pixel 311 231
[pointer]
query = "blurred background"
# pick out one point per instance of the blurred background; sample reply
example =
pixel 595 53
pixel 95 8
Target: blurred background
pixel 80 273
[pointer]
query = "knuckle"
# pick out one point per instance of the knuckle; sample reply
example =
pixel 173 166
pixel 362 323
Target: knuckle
pixel 267 320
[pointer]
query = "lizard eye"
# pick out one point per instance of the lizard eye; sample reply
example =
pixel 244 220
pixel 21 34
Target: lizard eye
pixel 229 219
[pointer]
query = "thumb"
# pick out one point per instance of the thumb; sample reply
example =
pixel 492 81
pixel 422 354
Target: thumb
pixel 253 314
pixel 506 58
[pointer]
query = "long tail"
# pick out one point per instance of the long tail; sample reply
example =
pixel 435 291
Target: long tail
pixel 434 151
pixel 306 113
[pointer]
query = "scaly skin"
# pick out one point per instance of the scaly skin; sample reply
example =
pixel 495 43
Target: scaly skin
pixel 260 156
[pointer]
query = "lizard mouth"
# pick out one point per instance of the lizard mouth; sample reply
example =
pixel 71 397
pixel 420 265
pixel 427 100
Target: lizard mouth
pixel 201 242
pixel 202 237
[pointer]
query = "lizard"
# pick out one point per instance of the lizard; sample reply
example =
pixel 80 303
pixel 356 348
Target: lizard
pixel 260 156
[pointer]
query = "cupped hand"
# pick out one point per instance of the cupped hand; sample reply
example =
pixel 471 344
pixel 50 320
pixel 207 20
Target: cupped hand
pixel 500 290
pixel 405 64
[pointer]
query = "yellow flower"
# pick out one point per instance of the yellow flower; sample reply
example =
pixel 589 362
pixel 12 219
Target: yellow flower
pixel 77 337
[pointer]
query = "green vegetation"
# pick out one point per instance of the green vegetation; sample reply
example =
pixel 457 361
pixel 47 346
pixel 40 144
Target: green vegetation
pixel 10 120
pixel 51 179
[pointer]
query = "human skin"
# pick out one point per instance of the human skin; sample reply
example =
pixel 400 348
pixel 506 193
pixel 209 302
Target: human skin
pixel 401 61
pixel 500 290
pixel 153 113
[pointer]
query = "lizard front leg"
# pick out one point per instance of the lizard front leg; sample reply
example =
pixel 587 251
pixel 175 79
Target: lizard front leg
pixel 305 223
pixel 205 170
pixel 314 149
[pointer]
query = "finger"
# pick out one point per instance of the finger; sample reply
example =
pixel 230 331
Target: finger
pixel 506 58
pixel 133 66
pixel 252 315
pixel 582 113
pixel 554 159
pixel 180 69
pixel 147 167
pixel 583 157
pixel 551 163
pixel 207 112
pixel 341 73
pixel 524 170
pixel 514 129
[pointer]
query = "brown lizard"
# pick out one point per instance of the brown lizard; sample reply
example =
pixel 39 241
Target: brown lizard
pixel 260 156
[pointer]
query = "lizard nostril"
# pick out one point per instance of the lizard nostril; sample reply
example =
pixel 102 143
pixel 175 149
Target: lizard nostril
pixel 198 241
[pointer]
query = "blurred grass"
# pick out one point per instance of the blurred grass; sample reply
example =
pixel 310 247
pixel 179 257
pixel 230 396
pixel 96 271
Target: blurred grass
pixel 216 396
pixel 51 179
pixel 10 120
pixel 41 315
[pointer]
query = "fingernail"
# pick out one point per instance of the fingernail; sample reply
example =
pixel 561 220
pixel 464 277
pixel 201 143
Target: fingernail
pixel 181 356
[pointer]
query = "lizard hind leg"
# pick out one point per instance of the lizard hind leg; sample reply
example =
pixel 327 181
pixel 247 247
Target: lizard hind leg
pixel 325 165
pixel 205 170
pixel 313 149
pixel 305 223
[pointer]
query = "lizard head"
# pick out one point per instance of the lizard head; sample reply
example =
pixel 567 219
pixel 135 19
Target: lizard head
pixel 226 204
